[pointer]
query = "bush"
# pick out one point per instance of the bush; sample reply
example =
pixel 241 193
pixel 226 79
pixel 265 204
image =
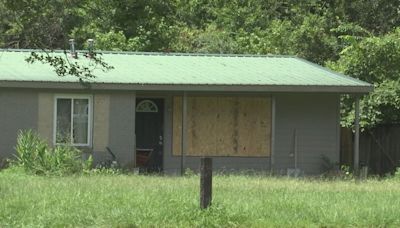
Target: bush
pixel 397 173
pixel 37 157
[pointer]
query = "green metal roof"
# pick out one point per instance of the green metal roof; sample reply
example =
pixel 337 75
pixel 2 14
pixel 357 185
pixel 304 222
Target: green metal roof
pixel 147 69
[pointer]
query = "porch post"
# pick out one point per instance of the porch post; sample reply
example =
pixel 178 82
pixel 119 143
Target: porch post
pixel 357 136
pixel 272 156
pixel 134 129
pixel 184 127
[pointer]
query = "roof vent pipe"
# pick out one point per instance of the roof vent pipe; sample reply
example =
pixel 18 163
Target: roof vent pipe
pixel 90 47
pixel 72 48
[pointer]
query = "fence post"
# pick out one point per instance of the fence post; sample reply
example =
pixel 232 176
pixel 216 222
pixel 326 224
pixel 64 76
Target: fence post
pixel 205 182
pixel 357 136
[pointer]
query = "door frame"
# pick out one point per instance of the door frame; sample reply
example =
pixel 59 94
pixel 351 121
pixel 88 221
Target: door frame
pixel 163 99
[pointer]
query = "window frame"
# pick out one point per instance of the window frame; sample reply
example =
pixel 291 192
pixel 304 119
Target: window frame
pixel 146 101
pixel 90 118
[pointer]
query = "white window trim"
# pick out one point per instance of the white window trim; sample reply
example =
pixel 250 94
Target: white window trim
pixel 90 118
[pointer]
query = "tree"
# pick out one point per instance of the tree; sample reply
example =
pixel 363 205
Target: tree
pixel 45 25
pixel 354 37
pixel 376 60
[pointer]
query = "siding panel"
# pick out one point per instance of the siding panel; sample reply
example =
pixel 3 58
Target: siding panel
pixel 18 110
pixel 315 118
pixel 122 128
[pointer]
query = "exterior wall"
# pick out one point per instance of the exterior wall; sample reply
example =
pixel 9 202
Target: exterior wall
pixel 316 121
pixel 113 121
pixel 314 117
pixel 101 121
pixel 18 110
pixel 46 116
pixel 122 127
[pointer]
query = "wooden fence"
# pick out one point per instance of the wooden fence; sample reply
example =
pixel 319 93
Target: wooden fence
pixel 379 148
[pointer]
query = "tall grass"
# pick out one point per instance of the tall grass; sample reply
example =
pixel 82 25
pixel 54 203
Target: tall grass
pixel 156 201
pixel 37 157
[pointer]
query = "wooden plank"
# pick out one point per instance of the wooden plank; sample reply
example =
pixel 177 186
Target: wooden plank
pixel 224 126
pixel 202 126
pixel 254 126
pixel 205 182
pixel 227 126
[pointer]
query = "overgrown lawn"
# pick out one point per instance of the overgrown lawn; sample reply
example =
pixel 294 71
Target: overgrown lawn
pixel 133 200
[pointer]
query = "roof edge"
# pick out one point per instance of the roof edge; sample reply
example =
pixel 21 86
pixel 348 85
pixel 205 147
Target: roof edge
pixel 184 87
pixel 334 72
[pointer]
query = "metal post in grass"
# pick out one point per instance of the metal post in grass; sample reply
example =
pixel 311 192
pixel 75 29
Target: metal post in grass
pixel 205 182
pixel 357 137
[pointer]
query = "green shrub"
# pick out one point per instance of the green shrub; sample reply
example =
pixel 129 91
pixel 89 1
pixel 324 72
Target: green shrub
pixel 397 173
pixel 37 157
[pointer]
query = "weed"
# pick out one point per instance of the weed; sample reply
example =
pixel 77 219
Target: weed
pixel 37 157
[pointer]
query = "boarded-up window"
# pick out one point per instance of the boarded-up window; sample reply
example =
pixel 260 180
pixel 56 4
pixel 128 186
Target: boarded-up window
pixel 223 126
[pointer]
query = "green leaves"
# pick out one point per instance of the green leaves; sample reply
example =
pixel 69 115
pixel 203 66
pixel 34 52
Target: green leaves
pixel 358 38
pixel 64 65
pixel 376 60
pixel 35 156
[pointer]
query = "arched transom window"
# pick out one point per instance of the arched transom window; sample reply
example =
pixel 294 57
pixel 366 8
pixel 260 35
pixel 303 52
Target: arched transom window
pixel 146 106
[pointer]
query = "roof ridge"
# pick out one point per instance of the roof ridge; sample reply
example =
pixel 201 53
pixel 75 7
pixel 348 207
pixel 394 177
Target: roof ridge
pixel 159 53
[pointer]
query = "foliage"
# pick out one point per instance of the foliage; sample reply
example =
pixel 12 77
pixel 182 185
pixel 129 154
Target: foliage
pixel 375 60
pixel 358 38
pixel 45 25
pixel 35 156
pixel 65 66
pixel 208 40
pixel 397 174
pixel 153 201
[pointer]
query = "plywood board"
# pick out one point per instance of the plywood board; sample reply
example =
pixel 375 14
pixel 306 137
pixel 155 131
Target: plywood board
pixel 254 126
pixel 101 120
pixel 224 126
pixel 202 119
pixel 227 126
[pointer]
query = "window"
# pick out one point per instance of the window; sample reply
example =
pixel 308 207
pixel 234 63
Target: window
pixel 72 120
pixel 146 106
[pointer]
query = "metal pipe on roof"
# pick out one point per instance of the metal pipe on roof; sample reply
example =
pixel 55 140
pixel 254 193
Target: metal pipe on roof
pixel 90 47
pixel 73 52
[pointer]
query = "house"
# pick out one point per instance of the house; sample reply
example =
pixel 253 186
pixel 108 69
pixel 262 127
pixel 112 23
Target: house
pixel 248 112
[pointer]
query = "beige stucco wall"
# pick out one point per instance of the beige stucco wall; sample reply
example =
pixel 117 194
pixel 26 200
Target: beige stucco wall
pixel 46 116
pixel 101 119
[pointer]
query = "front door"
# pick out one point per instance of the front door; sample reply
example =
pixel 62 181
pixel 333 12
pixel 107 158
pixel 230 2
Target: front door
pixel 149 133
